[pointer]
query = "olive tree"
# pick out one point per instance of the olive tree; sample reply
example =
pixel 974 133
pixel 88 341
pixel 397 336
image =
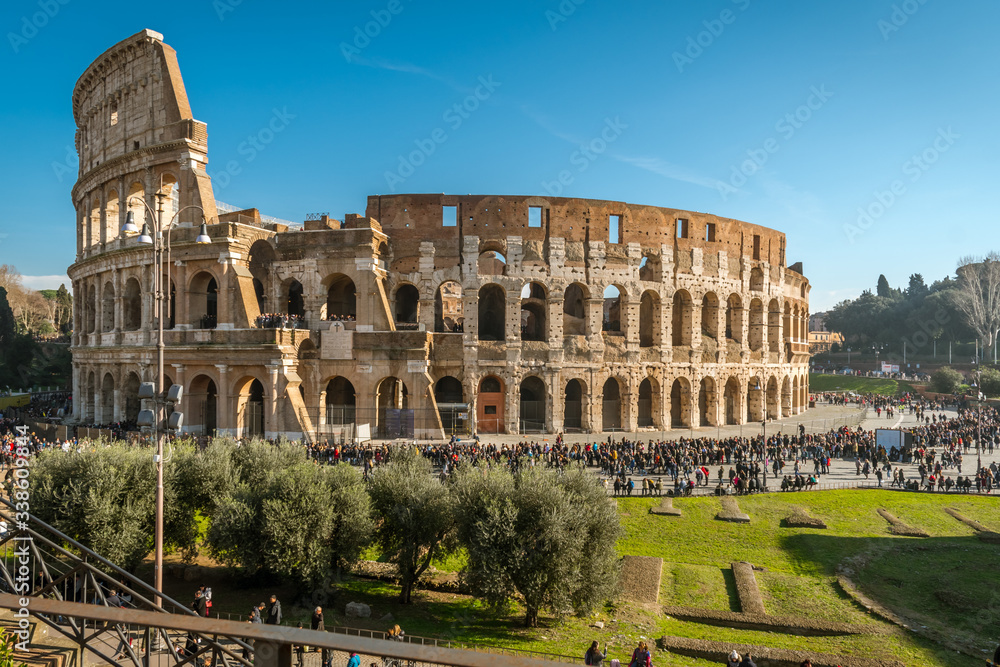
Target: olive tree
pixel 415 515
pixel 541 535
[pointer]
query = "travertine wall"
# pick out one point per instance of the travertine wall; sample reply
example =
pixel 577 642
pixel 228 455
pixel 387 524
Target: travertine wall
pixel 509 313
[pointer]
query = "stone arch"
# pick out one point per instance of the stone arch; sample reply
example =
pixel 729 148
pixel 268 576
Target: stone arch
pixel 756 332
pixel 492 312
pixel 449 394
pixel 170 187
pixel 107 399
pixel 682 319
pixel 649 319
pixel 756 279
pixel 129 397
pixel 90 310
pixel 732 399
pixel 611 412
pixel 340 401
pixel 707 402
pixel 573 408
pixel 260 262
pixel 293 298
pixel 774 326
pixel 341 297
pixel 531 407
pixel 112 217
pixel 449 308
pixel 575 310
pixel 648 267
pixel 90 397
pixel 648 406
pixel 94 220
pixel 135 203
pixel 734 318
pixel 710 315
pixel 307 350
pixel 203 405
pixel 534 309
pixel 786 397
pixel 787 321
pixel 680 403
pixel 615 298
pixel 490 403
pixel 132 305
pixel 391 393
pixel 250 414
pixel 772 405
pixel 203 300
pixel 492 263
pixel 406 306
pixel 108 307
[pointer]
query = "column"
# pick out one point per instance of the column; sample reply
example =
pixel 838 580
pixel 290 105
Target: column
pixel 77 393
pixel 272 401
pixel 225 420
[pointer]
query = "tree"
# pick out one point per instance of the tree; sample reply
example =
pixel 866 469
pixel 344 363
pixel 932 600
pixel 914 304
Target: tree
pixel 8 328
pixel 990 381
pixel 883 288
pixel 415 513
pixel 7 645
pixel 978 296
pixel 545 537
pixel 917 289
pixel 946 380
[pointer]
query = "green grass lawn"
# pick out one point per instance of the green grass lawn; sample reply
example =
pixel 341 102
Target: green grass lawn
pixel 861 385
pixel 944 582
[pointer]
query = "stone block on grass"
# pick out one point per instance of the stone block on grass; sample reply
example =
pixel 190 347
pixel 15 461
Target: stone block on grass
pixel 731 512
pixel 665 508
pixel 751 601
pixel 899 527
pixel 641 578
pixel 982 532
pixel 800 518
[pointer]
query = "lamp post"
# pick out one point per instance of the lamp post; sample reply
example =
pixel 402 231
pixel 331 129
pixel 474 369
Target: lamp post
pixel 157 241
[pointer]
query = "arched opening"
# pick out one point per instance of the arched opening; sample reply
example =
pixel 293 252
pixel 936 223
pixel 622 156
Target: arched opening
pixel 710 316
pixel 490 405
pixel 108 308
pixel 203 301
pixel 755 400
pixel 407 307
pixel 134 204
pixel 574 311
pixel 170 188
pixel 734 318
pixel 648 267
pixel 786 397
pixel 252 418
pixel 107 415
pixel 707 402
pixel 340 401
pixel 112 222
pixel 394 418
pixel 258 292
pixel 295 303
pixel 492 312
pixel 611 413
pixel 130 397
pixel 774 326
pixel 450 398
pixel 573 406
pixel 773 409
pixel 612 309
pixel 90 310
pixel 492 263
pixel 203 402
pixel 756 280
pixel 682 320
pixel 756 333
pixel 532 407
pixel 341 298
pixel 132 306
pixel 732 399
pixel 533 309
pixel 680 403
pixel 448 308
pixel 260 261
pixel 649 318
pixel 645 406
pixel 90 398
pixel 94 221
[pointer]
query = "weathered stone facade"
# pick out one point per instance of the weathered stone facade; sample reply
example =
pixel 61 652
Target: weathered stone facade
pixel 430 313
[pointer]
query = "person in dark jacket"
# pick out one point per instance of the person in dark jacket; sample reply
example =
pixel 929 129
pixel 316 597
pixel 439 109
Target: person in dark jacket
pixel 274 612
pixel 199 605
pixel 748 661
pixel 255 614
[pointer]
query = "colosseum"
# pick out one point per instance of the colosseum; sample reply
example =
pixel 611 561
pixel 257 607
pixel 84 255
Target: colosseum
pixel 426 316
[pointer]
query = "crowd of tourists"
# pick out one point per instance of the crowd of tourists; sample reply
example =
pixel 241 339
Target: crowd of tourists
pixel 279 321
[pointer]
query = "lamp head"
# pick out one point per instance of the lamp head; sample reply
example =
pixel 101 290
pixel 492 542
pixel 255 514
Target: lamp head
pixel 145 238
pixel 203 236
pixel 129 226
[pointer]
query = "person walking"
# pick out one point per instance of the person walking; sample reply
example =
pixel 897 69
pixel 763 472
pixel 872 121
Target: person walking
pixel 594 656
pixel 274 612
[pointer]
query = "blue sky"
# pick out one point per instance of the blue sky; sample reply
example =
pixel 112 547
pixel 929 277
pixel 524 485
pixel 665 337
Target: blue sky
pixel 795 115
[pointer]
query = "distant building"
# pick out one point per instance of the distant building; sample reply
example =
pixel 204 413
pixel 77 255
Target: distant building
pixel 822 341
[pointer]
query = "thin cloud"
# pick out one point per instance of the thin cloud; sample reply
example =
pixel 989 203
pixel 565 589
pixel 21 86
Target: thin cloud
pixel 669 170
pixel 409 68
pixel 46 282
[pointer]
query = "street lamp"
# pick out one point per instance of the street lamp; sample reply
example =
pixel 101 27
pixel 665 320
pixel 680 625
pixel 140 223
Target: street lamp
pixel 157 241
